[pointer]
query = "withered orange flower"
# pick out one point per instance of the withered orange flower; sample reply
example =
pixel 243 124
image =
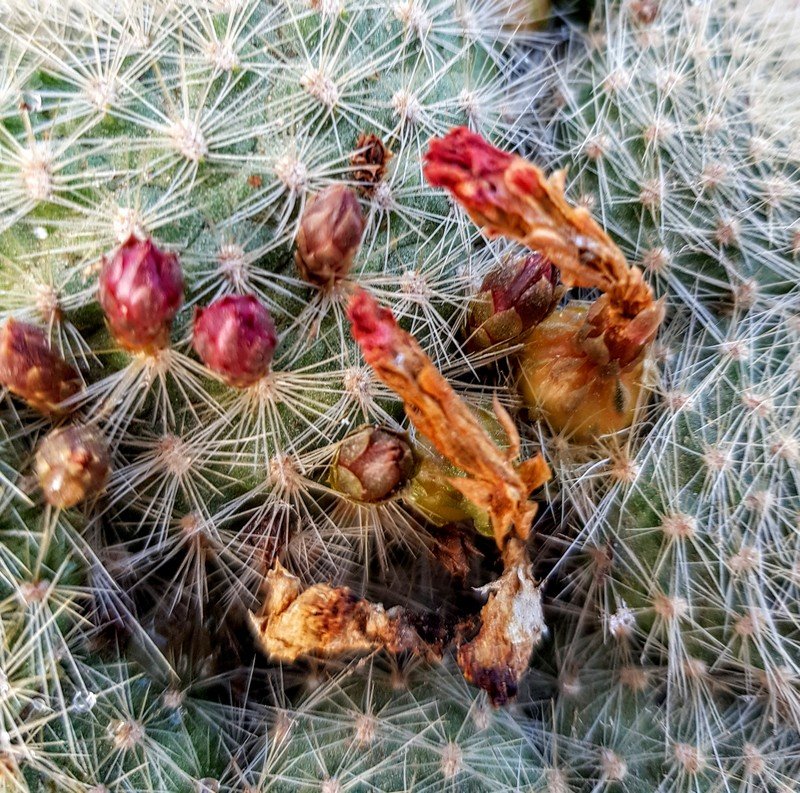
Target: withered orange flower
pixel 511 622
pixel 508 196
pixel 297 621
pixel 596 387
pixel 493 481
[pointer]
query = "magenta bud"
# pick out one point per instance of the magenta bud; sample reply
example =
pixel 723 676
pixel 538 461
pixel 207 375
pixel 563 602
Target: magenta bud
pixel 329 235
pixel 235 337
pixel 513 298
pixel 372 464
pixel 72 464
pixel 141 290
pixel 33 370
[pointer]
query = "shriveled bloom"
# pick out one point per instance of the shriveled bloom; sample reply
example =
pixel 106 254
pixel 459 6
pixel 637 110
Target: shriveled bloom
pixel 369 162
pixel 141 291
pixel 372 464
pixel 508 196
pixel 514 297
pixel 329 235
pixel 32 369
pixel 512 621
pixel 236 338
pixel 72 464
pixel 583 367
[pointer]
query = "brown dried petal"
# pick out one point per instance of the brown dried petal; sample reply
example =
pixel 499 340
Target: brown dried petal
pixel 512 625
pixel 326 620
pixel 370 161
pixel 493 481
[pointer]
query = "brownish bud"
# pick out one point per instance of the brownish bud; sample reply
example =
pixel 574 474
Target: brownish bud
pixel 329 236
pixel 370 161
pixel 33 370
pixel 72 464
pixel 513 299
pixel 372 465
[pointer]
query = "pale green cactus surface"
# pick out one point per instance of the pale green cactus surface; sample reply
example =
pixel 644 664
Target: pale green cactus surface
pixel 669 553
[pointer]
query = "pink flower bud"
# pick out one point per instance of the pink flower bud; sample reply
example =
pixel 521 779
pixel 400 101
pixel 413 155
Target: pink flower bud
pixel 235 337
pixel 33 370
pixel 330 233
pixel 372 464
pixel 513 299
pixel 141 290
pixel 72 464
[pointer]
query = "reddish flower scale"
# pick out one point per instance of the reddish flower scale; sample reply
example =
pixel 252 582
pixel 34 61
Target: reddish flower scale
pixel 235 337
pixel 141 291
pixel 513 298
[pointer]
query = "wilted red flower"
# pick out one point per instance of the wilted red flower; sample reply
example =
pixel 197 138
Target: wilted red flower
pixel 506 195
pixel 235 337
pixel 141 290
pixel 32 369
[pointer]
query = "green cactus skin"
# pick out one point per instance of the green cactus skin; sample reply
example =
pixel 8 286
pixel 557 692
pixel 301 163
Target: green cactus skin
pixel 687 547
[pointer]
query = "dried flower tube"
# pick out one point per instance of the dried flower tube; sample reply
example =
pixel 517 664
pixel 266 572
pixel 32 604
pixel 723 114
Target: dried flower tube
pixel 323 620
pixel 493 481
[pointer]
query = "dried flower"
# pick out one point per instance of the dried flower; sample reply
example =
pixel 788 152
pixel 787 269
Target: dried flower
pixel 33 370
pixel 581 369
pixel 512 625
pixel 493 481
pixel 72 464
pixel 508 196
pixel 235 337
pixel 323 620
pixel 513 298
pixel 141 290
pixel 329 235
pixel 370 161
pixel 372 464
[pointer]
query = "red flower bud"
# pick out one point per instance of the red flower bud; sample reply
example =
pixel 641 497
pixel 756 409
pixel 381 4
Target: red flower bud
pixel 235 337
pixel 32 370
pixel 141 290
pixel 513 298
pixel 372 464
pixel 72 464
pixel 474 171
pixel 329 236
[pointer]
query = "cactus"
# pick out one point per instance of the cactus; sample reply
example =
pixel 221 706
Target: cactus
pixel 190 195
